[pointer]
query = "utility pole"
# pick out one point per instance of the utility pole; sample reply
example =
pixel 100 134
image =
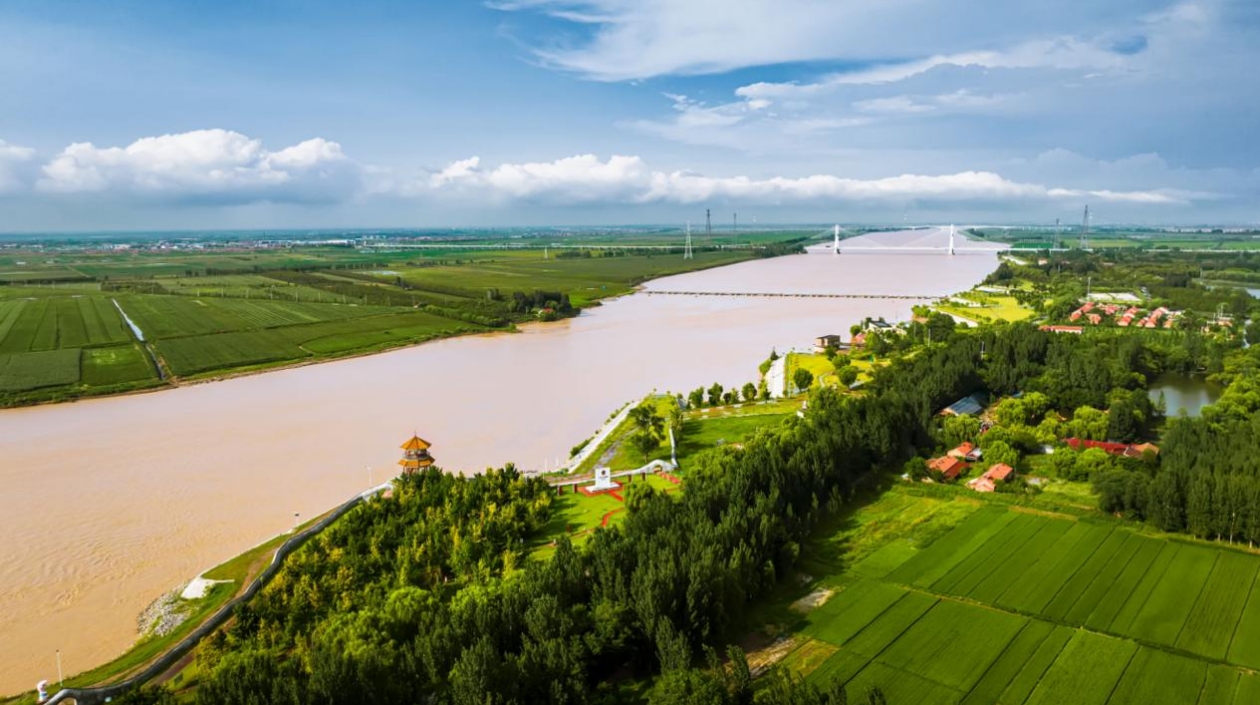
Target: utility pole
pixel 687 254
pixel 734 222
pixel 708 223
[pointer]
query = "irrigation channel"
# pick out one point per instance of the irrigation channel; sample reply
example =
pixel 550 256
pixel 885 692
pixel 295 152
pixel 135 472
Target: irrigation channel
pixel 110 503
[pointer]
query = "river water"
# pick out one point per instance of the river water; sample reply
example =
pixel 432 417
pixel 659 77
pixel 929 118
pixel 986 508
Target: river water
pixel 109 503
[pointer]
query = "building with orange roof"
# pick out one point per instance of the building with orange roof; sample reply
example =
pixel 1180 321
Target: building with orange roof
pixel 415 455
pixel 949 468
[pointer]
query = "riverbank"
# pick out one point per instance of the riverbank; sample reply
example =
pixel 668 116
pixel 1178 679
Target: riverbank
pixel 175 481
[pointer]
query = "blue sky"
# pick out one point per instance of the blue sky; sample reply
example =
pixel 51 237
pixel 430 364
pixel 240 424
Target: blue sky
pixel 204 114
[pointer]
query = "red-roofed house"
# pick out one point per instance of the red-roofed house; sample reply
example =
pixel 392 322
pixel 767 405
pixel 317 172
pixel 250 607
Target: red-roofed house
pixel 1137 450
pixel 965 451
pixel 948 467
pixel 1001 472
pixel 1063 329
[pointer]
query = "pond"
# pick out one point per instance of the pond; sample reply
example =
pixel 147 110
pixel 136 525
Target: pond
pixel 1184 392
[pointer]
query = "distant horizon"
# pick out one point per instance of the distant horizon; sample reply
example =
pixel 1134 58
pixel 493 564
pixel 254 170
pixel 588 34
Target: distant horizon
pixel 229 115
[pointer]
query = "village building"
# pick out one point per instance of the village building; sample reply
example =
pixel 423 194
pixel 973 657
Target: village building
pixel 415 455
pixel 949 468
pixel 1138 450
pixel 1000 472
pixel 972 404
pixel 1077 330
pixel 966 451
pixel 822 342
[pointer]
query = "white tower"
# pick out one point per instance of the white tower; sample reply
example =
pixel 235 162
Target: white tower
pixel 687 254
pixel 835 245
pixel 951 239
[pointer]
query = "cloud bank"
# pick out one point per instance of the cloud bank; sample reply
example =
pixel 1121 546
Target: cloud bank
pixel 220 167
pixel 216 165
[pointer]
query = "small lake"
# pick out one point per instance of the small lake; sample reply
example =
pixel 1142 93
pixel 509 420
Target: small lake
pixel 1187 392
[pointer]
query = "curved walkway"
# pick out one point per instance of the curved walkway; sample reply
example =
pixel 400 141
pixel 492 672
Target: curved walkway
pixel 599 437
pixel 102 694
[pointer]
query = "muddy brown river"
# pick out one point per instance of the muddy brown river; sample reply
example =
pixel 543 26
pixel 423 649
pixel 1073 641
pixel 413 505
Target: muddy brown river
pixel 109 503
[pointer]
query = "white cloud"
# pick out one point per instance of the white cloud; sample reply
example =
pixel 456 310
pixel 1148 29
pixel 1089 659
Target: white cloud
pixel 627 179
pixel 895 105
pixel 218 165
pixel 633 39
pixel 15 162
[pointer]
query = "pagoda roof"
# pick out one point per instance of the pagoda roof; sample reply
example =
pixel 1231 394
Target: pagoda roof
pixel 416 443
pixel 414 463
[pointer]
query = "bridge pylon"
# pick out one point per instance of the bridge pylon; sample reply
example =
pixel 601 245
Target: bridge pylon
pixel 951 239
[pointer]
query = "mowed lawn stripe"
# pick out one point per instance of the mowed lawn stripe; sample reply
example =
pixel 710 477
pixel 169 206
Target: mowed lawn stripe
pixel 1086 672
pixel 1033 590
pixel 1155 676
pixel 1103 559
pixel 1210 626
pixel 1014 564
pixel 954 643
pixel 1017 654
pixel 1165 611
pixel 964 578
pixel 938 557
pixel 1113 590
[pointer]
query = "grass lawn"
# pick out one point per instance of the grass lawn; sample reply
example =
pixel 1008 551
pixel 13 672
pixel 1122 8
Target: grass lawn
pixel 818 365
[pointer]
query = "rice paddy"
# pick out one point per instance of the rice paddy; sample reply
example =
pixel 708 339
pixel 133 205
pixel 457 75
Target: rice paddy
pixel 971 602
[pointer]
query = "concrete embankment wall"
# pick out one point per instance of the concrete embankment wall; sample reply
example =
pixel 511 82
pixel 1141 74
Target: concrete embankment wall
pixel 93 696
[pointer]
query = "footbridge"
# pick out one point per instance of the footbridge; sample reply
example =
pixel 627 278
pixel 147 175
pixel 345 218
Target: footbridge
pixel 791 295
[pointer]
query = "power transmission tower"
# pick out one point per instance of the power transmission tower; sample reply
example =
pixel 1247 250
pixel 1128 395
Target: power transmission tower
pixel 734 222
pixel 1085 229
pixel 1058 235
pixel 708 223
pixel 687 248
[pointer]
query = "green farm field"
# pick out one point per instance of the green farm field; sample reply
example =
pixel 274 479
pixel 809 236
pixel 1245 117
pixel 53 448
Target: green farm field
pixel 950 599
pixel 203 314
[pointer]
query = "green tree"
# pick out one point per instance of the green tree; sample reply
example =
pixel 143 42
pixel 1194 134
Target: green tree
pixel 750 391
pixel 644 443
pixel 715 394
pixel 695 399
pixel 960 428
pixel 847 375
pixel 802 378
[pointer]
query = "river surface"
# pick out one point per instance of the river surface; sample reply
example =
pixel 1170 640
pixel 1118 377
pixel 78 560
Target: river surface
pixel 109 503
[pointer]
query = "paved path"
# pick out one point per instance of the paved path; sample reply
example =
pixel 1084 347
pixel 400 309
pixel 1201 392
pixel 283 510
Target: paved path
pixel 592 445
pixel 776 377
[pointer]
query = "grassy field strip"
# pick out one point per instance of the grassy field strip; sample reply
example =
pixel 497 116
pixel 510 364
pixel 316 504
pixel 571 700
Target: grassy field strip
pixel 1128 615
pixel 1075 586
pixel 1219 685
pixel 840 619
pixel 32 370
pixel 1111 590
pixel 972 637
pixel 1008 571
pixel 1209 625
pixel 1167 608
pixel 934 561
pixel 1003 670
pixel 1155 676
pixel 972 569
pixel 1086 672
pixel 1245 647
pixel 1033 590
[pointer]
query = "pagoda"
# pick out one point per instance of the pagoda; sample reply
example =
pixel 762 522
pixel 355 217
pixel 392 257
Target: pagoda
pixel 415 455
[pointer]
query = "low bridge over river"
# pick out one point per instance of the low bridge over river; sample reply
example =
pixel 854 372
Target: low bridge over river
pixel 788 295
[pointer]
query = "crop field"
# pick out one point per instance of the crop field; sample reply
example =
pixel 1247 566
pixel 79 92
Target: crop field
pixel 955 601
pixel 20 372
pixel 54 323
pixel 584 280
pixel 220 351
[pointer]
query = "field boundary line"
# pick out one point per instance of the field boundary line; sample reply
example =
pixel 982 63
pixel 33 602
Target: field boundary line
pixel 1011 537
pixel 1234 634
pixel 994 662
pixel 1155 584
pixel 894 640
pixel 1216 560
